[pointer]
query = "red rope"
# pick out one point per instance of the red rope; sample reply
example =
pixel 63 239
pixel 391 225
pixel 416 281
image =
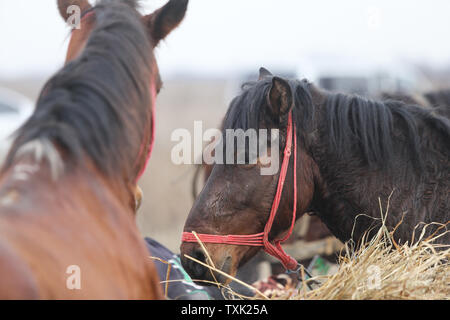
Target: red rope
pixel 255 240
pixel 262 239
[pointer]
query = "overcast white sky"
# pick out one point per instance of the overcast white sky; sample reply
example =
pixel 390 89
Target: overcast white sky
pixel 220 37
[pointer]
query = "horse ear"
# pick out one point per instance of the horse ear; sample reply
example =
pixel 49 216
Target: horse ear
pixel 161 22
pixel 64 7
pixel 263 73
pixel 280 97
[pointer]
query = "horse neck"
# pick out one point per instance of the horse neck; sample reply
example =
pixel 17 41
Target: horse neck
pixel 84 187
pixel 332 185
pixel 352 194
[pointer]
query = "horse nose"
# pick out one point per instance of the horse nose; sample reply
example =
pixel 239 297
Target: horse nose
pixel 196 270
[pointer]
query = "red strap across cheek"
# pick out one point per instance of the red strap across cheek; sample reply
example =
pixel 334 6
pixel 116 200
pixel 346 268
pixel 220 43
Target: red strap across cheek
pixel 262 239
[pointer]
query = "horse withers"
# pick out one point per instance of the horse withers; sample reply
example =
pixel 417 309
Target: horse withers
pixel 67 223
pixel 353 156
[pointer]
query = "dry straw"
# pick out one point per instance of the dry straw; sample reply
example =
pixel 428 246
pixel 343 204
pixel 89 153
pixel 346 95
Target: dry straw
pixel 382 269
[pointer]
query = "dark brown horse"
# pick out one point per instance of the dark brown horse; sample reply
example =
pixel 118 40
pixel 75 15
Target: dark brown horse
pixel 67 224
pixel 351 152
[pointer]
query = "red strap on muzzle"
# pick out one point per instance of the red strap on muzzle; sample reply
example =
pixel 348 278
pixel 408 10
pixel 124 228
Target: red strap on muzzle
pixel 262 239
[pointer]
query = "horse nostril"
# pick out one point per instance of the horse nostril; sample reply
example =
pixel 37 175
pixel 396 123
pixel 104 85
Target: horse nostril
pixel 197 269
pixel 199 255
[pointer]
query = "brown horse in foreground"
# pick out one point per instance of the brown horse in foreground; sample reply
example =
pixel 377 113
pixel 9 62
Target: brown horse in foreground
pixel 351 152
pixel 67 224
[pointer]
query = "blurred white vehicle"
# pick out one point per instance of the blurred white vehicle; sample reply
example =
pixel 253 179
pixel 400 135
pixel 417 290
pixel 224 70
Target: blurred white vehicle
pixel 367 77
pixel 14 111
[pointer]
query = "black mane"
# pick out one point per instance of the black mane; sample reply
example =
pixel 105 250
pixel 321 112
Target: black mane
pixel 97 105
pixel 352 125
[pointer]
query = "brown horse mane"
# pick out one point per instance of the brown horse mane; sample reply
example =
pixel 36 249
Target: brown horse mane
pixel 97 105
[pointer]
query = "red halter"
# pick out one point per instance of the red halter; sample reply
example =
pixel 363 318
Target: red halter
pixel 262 239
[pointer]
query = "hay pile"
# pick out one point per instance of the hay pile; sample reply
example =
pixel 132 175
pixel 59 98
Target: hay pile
pixel 382 269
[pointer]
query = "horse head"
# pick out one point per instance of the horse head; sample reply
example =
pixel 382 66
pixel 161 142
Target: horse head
pixel 237 198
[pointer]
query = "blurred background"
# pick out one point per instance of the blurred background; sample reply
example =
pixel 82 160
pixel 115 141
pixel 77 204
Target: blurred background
pixel 357 46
